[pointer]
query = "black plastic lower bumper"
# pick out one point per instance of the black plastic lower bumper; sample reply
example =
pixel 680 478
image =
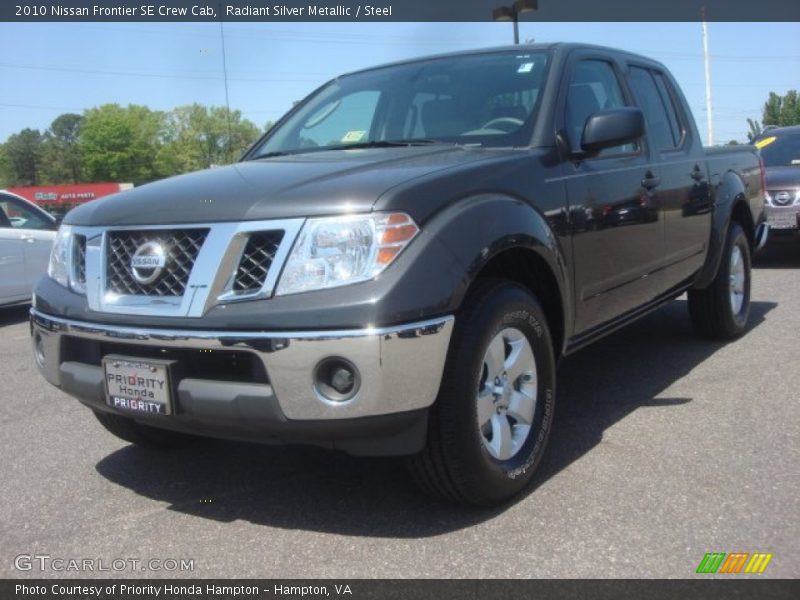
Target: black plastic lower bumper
pixel 250 412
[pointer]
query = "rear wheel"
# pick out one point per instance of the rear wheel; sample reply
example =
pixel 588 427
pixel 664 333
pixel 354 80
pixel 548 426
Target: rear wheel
pixel 491 421
pixel 139 434
pixel 721 310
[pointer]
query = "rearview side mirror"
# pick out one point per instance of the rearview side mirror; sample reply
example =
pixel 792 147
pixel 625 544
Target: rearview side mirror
pixel 613 127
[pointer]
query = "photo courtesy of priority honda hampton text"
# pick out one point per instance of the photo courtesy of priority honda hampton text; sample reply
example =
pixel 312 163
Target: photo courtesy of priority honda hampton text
pixel 397 266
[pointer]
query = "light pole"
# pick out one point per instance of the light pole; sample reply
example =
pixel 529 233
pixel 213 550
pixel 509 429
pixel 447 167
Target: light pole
pixel 512 13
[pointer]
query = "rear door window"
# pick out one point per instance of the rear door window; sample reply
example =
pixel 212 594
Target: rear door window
pixel 660 133
pixel 673 115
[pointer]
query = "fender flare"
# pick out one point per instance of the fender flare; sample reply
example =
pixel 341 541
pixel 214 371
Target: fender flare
pixel 477 229
pixel 730 192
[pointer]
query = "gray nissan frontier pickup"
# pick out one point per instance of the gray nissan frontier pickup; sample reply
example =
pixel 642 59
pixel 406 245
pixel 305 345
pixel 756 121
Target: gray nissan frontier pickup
pixel 397 266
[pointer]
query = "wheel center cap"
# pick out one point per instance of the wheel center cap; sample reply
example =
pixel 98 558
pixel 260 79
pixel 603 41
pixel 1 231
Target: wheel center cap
pixel 502 391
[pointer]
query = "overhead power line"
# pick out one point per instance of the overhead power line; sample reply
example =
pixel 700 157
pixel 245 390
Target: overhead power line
pixel 38 106
pixel 267 33
pixel 154 75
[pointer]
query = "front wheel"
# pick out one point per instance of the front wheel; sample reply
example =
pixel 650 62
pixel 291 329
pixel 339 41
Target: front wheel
pixel 490 424
pixel 722 309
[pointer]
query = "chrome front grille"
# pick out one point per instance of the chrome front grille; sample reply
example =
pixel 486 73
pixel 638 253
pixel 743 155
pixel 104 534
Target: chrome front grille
pixel 256 261
pixel 181 247
pixel 181 270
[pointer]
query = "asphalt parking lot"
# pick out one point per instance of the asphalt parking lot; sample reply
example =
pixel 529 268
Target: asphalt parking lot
pixel 666 447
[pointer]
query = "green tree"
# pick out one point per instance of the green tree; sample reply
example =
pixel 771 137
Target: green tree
pixel 5 168
pixel 121 143
pixel 23 157
pixel 781 110
pixel 754 130
pixel 61 150
pixel 199 137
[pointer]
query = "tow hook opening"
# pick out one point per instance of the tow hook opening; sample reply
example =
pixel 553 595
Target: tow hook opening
pixel 336 380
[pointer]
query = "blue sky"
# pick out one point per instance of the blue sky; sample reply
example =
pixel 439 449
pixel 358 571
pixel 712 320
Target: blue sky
pixel 50 68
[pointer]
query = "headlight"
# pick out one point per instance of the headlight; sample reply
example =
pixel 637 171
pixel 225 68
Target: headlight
pixel 334 251
pixel 61 256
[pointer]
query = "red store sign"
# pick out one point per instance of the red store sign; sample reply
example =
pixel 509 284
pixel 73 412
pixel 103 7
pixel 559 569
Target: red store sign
pixel 73 193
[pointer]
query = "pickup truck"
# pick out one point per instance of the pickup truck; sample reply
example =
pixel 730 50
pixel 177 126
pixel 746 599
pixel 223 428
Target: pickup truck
pixel 397 266
pixel 780 153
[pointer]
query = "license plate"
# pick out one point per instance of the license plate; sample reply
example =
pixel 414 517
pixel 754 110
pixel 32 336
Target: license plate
pixel 140 386
pixel 784 220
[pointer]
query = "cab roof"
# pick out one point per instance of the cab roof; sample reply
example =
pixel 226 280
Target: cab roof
pixel 561 48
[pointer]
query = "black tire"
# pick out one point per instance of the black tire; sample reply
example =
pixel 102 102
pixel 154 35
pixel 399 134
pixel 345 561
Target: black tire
pixel 456 464
pixel 139 434
pixel 711 309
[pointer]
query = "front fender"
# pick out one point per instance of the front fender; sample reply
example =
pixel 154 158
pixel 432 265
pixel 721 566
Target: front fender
pixel 477 229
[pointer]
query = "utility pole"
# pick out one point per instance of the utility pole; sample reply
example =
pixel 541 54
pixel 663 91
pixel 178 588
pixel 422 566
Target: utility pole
pixel 709 106
pixel 229 144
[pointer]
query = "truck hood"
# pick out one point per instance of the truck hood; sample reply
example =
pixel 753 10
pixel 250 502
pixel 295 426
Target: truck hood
pixel 782 177
pixel 303 185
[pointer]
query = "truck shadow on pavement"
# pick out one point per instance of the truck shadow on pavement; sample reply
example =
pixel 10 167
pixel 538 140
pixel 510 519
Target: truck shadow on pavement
pixel 780 253
pixel 313 489
pixel 13 315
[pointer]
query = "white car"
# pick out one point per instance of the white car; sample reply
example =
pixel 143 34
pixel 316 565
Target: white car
pixel 26 235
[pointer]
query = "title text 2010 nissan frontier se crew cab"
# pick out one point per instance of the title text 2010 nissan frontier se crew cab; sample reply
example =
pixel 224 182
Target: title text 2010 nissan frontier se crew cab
pixel 396 267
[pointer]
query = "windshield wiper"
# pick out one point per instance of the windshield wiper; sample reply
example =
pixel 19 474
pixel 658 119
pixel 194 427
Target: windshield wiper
pixel 384 144
pixel 270 154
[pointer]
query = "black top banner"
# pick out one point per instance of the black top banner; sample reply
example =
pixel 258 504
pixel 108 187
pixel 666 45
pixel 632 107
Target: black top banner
pixel 400 10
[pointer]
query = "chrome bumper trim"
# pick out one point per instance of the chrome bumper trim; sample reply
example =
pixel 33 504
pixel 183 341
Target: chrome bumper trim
pixel 400 366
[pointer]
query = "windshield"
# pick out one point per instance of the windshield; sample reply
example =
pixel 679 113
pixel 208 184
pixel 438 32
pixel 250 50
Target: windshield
pixel 487 99
pixel 780 150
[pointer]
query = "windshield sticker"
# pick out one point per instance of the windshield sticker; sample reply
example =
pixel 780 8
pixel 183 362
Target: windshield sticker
pixel 354 136
pixel 525 67
pixel 765 142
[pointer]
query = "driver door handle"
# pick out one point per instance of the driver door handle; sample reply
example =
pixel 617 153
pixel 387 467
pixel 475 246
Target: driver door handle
pixel 650 181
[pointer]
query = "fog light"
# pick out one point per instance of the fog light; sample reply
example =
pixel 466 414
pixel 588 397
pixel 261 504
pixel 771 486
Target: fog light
pixel 336 379
pixel 38 349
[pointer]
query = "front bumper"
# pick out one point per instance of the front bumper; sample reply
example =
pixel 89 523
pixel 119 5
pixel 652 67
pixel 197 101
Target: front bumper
pixel 400 370
pixel 782 218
